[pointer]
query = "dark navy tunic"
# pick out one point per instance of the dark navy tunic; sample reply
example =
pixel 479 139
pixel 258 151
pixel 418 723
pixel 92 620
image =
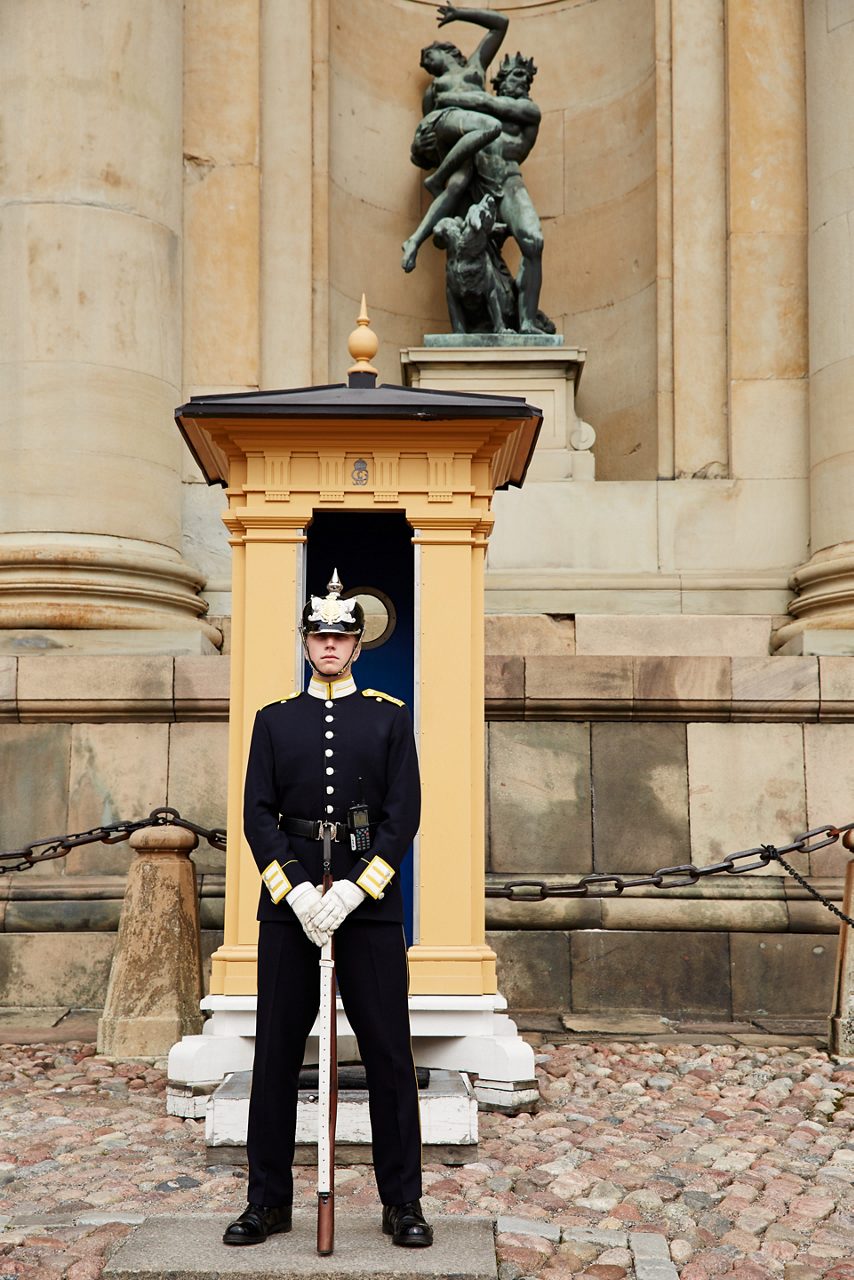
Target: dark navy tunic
pixel 313 758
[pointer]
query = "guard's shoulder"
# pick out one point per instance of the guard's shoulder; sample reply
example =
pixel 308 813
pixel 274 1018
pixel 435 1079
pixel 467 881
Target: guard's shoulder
pixel 382 697
pixel 296 694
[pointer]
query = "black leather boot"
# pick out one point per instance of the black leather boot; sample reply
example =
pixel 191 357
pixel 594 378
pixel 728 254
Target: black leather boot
pixel 406 1224
pixel 256 1222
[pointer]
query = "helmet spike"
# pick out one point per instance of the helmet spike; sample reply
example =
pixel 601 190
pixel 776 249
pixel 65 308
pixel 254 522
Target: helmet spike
pixel 335 586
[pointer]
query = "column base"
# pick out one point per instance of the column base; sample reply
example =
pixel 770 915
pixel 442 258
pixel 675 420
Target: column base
pixel 55 581
pixel 824 599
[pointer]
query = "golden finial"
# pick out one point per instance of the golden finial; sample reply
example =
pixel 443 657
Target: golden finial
pixel 363 344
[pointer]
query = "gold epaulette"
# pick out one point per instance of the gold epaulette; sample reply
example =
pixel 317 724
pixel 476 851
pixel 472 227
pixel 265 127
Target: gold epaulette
pixel 381 697
pixel 295 694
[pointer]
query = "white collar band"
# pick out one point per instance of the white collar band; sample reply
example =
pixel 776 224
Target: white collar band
pixel 331 689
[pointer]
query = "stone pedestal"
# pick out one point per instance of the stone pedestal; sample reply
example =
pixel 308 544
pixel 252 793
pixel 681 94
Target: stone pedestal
pixel 541 369
pixel 156 978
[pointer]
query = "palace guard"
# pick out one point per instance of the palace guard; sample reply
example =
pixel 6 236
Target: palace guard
pixel 343 760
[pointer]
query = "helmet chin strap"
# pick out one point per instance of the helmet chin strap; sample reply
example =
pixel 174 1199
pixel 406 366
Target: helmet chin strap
pixel 323 674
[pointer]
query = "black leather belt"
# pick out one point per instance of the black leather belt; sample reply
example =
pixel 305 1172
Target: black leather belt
pixel 310 830
pixel 313 830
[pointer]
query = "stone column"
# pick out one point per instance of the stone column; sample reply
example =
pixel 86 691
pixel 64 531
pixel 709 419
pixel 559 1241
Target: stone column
pixel 294 249
pixel 767 259
pixel 156 978
pixel 825 585
pixel 90 319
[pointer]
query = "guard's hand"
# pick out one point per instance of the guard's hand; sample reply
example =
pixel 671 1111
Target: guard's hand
pixel 336 904
pixel 305 902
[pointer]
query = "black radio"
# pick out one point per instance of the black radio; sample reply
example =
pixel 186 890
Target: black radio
pixel 359 826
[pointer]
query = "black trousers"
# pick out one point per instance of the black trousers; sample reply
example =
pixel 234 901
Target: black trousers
pixel 370 964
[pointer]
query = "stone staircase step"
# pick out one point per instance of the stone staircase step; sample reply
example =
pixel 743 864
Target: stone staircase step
pixel 189 1247
pixel 448 1110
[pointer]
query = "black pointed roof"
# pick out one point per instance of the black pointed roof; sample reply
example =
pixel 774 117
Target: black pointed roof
pixel 360 398
pixel 383 401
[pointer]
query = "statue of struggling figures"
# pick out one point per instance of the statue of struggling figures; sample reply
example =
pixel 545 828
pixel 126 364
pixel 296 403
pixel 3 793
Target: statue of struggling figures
pixel 475 142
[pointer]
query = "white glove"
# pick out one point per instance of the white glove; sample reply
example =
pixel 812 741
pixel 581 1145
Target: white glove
pixel 336 904
pixel 305 902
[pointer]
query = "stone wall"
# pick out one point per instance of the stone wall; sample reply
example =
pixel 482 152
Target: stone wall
pixel 596 762
pixel 86 741
pixel 625 764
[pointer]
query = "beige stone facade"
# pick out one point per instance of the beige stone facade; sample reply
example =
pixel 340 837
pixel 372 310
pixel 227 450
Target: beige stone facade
pixel 672 670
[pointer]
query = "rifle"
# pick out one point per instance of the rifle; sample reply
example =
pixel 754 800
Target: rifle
pixel 327 1090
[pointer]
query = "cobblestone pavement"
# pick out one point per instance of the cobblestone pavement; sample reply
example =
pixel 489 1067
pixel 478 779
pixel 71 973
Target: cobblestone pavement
pixel 742 1157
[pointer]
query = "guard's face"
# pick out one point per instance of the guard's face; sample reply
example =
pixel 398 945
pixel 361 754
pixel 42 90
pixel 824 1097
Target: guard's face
pixel 330 651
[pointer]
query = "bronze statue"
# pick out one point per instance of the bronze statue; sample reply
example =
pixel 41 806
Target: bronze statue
pixel 481 298
pixel 475 142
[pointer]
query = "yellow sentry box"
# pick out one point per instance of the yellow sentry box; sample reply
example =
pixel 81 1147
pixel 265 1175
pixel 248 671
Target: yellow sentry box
pixel 437 457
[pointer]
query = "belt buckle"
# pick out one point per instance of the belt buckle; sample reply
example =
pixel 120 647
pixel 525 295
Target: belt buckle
pixel 323 826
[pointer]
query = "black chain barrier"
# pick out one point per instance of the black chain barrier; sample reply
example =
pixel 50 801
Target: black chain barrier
pixel 601 885
pixel 30 855
pixel 595 885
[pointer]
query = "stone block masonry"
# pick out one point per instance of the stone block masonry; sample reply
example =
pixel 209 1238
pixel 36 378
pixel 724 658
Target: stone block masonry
pixel 596 762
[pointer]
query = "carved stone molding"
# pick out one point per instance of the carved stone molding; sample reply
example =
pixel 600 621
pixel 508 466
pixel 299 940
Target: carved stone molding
pixel 52 582
pixel 824 597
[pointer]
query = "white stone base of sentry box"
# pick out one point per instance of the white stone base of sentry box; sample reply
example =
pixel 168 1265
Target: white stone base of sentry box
pixel 472 1034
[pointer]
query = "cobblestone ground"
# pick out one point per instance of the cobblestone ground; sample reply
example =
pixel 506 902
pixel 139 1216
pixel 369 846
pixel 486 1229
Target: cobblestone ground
pixel 742 1157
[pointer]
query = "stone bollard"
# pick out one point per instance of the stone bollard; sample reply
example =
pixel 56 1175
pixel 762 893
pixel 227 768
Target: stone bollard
pixel 156 976
pixel 842 1019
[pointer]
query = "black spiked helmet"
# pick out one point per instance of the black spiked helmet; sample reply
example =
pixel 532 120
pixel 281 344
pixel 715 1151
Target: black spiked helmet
pixel 322 614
